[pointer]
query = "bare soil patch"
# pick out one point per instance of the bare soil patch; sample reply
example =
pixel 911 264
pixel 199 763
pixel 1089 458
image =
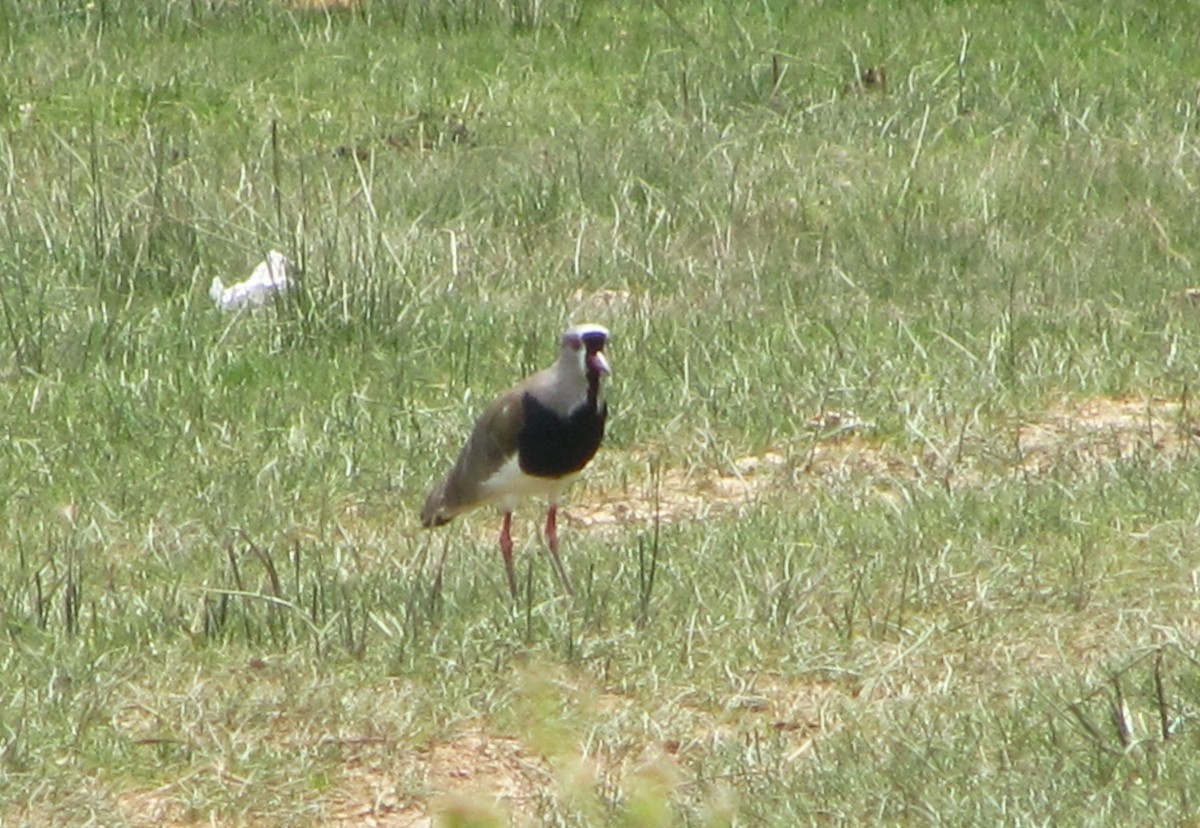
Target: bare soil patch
pixel 481 775
pixel 1094 431
pixel 1104 429
pixel 475 774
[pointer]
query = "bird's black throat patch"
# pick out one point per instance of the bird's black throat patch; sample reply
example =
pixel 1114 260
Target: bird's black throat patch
pixel 550 445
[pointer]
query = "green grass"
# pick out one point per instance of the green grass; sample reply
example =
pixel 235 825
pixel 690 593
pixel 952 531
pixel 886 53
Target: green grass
pixel 217 604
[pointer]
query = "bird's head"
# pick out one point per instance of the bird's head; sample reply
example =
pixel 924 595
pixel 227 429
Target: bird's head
pixel 586 342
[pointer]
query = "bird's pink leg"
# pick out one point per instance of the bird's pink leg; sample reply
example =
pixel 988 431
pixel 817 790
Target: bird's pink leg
pixel 506 549
pixel 552 542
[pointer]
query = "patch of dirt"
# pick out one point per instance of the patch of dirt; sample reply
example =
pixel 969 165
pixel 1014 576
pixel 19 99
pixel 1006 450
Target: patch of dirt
pixel 1097 430
pixel 1105 429
pixel 695 494
pixel 478 777
pixel 839 451
pixel 795 711
pixel 475 771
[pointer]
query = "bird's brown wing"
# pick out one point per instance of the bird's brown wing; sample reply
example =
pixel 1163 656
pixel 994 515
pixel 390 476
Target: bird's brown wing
pixel 492 442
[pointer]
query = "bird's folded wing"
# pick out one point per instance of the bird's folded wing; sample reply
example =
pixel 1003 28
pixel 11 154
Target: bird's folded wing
pixel 492 443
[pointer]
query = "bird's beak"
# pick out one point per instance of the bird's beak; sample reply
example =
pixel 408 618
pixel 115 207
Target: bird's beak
pixel 600 364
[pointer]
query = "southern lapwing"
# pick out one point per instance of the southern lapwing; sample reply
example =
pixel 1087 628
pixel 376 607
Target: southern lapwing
pixel 532 441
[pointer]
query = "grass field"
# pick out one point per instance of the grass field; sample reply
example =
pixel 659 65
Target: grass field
pixel 898 517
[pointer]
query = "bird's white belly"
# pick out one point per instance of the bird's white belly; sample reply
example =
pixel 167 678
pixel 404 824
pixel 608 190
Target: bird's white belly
pixel 509 486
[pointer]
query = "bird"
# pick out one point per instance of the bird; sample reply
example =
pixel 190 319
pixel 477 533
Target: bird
pixel 531 441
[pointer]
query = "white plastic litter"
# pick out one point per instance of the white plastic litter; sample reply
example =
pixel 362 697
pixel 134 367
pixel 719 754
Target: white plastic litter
pixel 269 277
